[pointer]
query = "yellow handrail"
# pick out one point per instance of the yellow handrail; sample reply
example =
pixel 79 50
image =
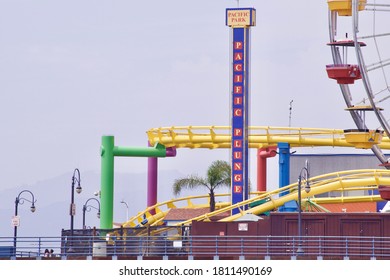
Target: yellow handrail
pixel 212 137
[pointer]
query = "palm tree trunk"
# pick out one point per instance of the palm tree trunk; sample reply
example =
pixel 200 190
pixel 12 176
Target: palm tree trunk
pixel 212 200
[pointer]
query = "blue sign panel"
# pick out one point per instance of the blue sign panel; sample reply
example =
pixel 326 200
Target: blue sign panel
pixel 239 117
pixel 240 20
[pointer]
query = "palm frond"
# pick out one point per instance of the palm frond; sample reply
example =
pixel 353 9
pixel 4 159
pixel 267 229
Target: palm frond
pixel 224 183
pixel 219 173
pixel 190 182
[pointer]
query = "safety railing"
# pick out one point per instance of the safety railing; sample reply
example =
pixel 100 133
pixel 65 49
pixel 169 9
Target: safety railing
pixel 213 137
pixel 197 247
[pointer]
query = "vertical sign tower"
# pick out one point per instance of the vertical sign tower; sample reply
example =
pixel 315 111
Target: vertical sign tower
pixel 240 20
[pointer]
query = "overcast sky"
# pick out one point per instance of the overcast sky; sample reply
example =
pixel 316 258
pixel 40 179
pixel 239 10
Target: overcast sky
pixel 73 71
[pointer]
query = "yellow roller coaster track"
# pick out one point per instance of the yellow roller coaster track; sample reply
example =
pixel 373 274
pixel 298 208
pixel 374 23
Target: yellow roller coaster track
pixel 213 137
pixel 344 181
pixel 362 179
pixel 145 217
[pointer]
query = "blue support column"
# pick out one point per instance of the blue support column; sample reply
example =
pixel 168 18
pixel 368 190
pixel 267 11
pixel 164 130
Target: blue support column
pixel 284 164
pixel 284 175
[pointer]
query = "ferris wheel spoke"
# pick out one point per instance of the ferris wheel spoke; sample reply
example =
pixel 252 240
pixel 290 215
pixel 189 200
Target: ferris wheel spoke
pixel 378 65
pixel 377 7
pixel 373 36
pixel 377 10
pixel 387 89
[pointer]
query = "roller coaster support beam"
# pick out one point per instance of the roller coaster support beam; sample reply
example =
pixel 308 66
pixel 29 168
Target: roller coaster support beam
pixel 108 152
pixel 262 155
pixel 152 177
pixel 284 174
pixel 284 165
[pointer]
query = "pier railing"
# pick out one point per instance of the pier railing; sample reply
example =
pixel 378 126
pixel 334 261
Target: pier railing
pixel 197 247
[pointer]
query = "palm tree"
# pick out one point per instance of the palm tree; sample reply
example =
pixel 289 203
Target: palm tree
pixel 218 175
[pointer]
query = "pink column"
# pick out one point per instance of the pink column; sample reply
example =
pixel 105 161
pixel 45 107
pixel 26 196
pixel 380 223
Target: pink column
pixel 152 177
pixel 262 155
pixel 152 181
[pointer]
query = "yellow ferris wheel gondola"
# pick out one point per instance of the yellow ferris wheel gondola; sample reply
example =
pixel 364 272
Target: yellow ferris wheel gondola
pixel 344 7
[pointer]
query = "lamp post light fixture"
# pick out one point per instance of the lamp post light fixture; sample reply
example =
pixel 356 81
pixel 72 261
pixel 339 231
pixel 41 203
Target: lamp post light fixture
pixel 21 200
pixel 304 174
pixel 127 209
pixel 87 207
pixel 72 211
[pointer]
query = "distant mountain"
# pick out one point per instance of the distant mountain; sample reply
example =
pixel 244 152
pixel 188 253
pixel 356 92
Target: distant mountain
pixel 53 201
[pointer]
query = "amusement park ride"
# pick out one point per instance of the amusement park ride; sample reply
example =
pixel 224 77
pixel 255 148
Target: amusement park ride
pixel 364 85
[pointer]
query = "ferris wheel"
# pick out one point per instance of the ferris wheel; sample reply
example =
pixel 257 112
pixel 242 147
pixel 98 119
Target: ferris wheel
pixel 359 32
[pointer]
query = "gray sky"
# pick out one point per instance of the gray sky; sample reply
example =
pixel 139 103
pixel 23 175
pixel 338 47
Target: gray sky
pixel 72 71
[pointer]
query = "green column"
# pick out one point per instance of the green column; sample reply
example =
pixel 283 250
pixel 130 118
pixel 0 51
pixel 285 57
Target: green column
pixel 108 152
pixel 107 183
pixel 158 150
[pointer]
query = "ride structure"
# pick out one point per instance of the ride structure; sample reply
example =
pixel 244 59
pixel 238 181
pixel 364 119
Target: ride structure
pixel 214 137
pixel 108 152
pixel 364 83
pixel 239 137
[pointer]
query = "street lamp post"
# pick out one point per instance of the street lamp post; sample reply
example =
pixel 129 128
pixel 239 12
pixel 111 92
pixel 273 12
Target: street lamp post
pixel 127 209
pixel 72 211
pixel 305 175
pixel 20 200
pixel 87 207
